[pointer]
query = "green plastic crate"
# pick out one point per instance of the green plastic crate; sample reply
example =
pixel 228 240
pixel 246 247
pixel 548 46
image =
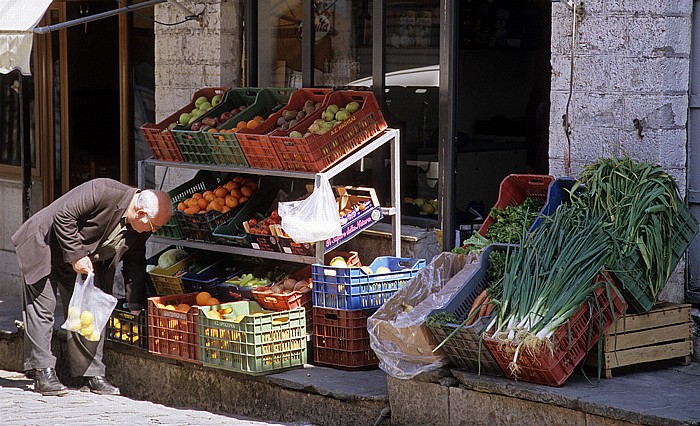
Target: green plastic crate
pixel 251 340
pixel 224 146
pixel 193 147
pixel 631 271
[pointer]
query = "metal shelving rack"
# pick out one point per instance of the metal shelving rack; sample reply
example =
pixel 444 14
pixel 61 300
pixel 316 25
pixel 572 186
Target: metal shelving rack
pixel 390 136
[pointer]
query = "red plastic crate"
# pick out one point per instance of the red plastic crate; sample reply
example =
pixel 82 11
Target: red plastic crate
pixel 161 140
pixel 552 365
pixel 316 153
pixel 174 334
pixel 341 339
pixel 284 302
pixel 515 189
pixel 256 144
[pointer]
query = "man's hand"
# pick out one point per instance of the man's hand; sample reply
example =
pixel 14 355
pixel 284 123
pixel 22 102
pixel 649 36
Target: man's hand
pixel 83 266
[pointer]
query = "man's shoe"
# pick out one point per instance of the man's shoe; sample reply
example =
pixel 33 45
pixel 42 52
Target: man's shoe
pixel 101 386
pixel 46 382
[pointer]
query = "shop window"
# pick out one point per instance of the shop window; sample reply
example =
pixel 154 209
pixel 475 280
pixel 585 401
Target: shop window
pixel 16 90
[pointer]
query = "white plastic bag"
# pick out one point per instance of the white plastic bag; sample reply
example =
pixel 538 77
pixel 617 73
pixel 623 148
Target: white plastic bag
pixel 89 309
pixel 314 218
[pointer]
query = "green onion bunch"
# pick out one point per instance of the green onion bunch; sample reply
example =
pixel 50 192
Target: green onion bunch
pixel 641 204
pixel 549 278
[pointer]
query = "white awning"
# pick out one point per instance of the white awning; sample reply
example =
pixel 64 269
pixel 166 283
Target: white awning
pixel 17 20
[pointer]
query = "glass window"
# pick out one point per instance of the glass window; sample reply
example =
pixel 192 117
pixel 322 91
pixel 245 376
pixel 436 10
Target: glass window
pixel 16 90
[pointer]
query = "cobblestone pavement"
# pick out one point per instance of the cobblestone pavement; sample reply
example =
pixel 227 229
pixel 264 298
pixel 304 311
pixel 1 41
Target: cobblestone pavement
pixel 21 406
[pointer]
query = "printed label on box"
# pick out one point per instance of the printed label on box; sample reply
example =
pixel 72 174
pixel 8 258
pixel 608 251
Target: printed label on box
pixel 365 220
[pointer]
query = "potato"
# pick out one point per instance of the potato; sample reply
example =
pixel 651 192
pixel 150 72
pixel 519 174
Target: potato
pixel 275 289
pixel 299 285
pixel 305 289
pixel 289 283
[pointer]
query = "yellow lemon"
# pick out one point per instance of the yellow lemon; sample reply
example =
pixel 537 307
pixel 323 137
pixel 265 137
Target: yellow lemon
pixel 94 336
pixel 88 330
pixel 86 318
pixel 116 323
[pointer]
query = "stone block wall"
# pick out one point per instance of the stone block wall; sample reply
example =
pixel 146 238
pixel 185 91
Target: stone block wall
pixel 631 64
pixel 195 54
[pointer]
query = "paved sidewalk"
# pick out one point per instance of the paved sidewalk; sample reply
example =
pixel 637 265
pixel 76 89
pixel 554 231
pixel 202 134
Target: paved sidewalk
pixel 19 405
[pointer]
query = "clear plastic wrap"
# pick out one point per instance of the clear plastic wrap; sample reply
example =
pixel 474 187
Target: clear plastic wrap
pixel 403 344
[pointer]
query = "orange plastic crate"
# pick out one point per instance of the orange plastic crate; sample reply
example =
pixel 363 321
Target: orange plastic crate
pixel 316 153
pixel 161 140
pixel 174 334
pixel 515 189
pixel 552 365
pixel 256 143
pixel 341 339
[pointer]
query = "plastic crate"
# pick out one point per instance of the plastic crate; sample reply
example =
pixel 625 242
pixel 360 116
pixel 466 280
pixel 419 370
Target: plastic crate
pixel 225 146
pixel 174 334
pixel 559 192
pixel 251 340
pixel 212 280
pixel 553 364
pixel 168 281
pixel 352 288
pixel 341 339
pixel 515 189
pixel 256 143
pixel 316 153
pixel 465 349
pixel 193 146
pixel 200 226
pixel 295 299
pixel 161 140
pixel 127 328
pixel 631 271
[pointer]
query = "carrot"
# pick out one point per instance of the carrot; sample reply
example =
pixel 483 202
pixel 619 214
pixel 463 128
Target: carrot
pixel 475 306
pixel 484 307
pixel 489 309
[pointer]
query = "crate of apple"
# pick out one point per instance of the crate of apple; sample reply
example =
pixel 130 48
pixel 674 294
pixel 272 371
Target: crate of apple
pixel 262 226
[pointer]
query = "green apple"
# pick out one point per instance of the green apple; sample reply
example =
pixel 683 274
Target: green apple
pixel 206 106
pixel 352 107
pixel 332 108
pixel 216 100
pixel 342 115
pixel 295 134
pixel 328 115
pixel 184 118
pixel 200 100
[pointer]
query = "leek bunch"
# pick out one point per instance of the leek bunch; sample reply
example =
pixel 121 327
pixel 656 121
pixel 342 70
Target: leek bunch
pixel 549 278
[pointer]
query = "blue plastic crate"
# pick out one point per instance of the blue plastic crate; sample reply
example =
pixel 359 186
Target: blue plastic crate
pixel 559 192
pixel 212 279
pixel 465 349
pixel 353 289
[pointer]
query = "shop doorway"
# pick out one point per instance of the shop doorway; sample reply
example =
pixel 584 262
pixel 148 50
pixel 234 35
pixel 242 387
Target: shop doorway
pixel 95 85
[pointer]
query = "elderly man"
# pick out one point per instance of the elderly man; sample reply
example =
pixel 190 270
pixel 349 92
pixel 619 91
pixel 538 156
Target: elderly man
pixel 93 227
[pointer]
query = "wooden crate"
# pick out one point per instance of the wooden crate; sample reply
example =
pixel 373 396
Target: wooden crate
pixel 663 333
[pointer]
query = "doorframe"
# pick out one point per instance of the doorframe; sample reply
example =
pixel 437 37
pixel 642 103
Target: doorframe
pixel 692 290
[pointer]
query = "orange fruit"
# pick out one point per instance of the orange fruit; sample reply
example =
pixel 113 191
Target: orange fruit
pixel 229 185
pixel 181 206
pixel 258 118
pixel 238 178
pixel 242 200
pixel 225 209
pixel 252 185
pixel 196 195
pixel 184 307
pixel 235 192
pixel 192 210
pixel 246 191
pixel 231 201
pixel 220 192
pixel 209 196
pixel 202 298
pixel 241 124
pixel 202 203
pixel 213 301
pixel 190 202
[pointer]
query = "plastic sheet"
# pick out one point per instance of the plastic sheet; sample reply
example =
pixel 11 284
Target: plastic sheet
pixel 403 344
pixel 314 218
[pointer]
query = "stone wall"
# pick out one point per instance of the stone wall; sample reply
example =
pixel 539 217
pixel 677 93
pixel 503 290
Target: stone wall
pixel 196 54
pixel 631 64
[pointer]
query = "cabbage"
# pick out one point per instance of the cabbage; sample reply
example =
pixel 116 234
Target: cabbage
pixel 171 257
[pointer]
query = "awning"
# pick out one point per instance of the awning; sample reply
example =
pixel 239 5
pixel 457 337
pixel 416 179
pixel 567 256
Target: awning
pixel 17 20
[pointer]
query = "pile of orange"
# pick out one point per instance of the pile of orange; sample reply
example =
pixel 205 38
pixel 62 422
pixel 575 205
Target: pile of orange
pixel 221 198
pixel 250 124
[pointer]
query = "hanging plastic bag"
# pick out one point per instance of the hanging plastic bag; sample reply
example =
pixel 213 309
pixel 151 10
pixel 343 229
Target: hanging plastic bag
pixel 89 309
pixel 314 218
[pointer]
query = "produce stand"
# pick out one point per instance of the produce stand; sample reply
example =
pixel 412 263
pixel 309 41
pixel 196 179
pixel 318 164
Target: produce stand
pixel 388 136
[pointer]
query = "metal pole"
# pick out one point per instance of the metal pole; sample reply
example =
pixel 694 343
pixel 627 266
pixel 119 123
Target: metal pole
pixel 118 11
pixel 448 120
pixel 251 43
pixel 378 84
pixel 308 43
